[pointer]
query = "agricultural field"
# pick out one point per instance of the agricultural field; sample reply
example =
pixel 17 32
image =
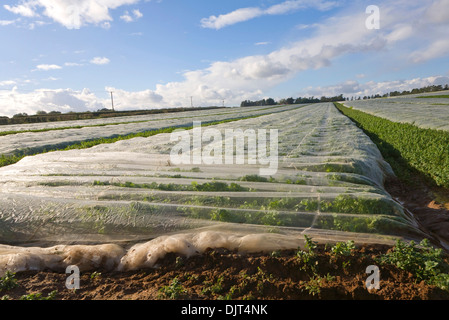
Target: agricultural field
pixel 426 110
pixel 32 138
pixel 125 205
pixel 405 145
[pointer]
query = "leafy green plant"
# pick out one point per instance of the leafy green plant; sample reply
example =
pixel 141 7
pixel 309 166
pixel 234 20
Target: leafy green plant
pixel 275 254
pixel 38 296
pixel 179 262
pixel 254 178
pixel 425 262
pixel 313 286
pixel 308 258
pixel 194 186
pixel 214 288
pixel 95 275
pixel 8 281
pixel 173 291
pixel 261 277
pixel 344 249
pixel 221 215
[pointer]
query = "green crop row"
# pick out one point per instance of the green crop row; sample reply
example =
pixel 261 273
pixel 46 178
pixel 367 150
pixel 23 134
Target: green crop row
pixel 214 186
pixel 407 147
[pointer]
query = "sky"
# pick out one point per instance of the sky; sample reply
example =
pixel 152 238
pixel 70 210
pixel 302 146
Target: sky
pixel 62 55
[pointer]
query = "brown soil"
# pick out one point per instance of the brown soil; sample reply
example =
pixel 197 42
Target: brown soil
pixel 222 274
pixel 429 204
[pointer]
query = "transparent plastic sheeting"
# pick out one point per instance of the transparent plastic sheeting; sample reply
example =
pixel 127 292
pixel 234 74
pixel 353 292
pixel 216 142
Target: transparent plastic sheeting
pixel 124 205
pixel 427 113
pixel 110 127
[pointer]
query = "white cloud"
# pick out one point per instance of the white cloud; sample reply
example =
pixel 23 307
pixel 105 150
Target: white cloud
pixel 100 60
pixel 6 22
pixel 7 83
pixel 228 19
pixel 71 14
pixel 248 77
pixel 73 64
pixel 437 12
pixel 245 14
pixel 353 88
pixel 436 49
pixel 106 25
pixel 127 17
pixel 137 14
pixel 64 100
pixel 51 79
pixel 47 67
pixel 340 35
pixel 125 100
pixel 26 9
pixel 263 43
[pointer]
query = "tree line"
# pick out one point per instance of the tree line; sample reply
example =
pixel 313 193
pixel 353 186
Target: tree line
pixel 300 100
pixel 43 116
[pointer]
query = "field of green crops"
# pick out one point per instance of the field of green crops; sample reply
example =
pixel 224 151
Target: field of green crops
pixel 425 150
pixel 426 110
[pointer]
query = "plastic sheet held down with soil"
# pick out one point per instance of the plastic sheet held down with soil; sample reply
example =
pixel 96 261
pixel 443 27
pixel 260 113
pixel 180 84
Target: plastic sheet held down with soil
pixel 122 206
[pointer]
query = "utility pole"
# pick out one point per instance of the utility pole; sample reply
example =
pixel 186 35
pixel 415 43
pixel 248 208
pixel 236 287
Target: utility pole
pixel 191 101
pixel 112 101
pixel 223 103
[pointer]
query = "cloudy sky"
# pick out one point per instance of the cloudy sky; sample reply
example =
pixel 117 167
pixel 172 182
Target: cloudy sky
pixel 67 55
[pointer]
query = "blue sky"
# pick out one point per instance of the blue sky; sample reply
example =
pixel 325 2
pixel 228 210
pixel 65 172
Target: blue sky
pixel 67 55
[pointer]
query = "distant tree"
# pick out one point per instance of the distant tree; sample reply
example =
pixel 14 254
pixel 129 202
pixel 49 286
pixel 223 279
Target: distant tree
pixel 41 113
pixel 18 115
pixel 283 101
pixel 290 100
pixel 270 102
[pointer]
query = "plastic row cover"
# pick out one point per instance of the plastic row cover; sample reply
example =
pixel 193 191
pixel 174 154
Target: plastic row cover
pixel 131 204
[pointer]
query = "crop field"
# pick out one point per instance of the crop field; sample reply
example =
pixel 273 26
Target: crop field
pixel 16 139
pixel 426 110
pixel 414 128
pixel 126 204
